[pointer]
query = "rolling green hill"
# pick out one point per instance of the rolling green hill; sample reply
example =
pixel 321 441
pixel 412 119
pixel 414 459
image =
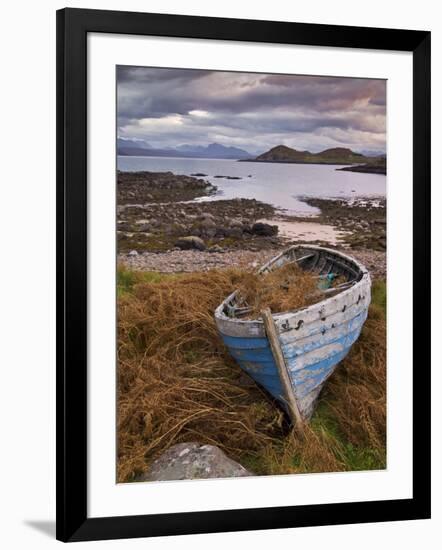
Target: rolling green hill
pixel 336 155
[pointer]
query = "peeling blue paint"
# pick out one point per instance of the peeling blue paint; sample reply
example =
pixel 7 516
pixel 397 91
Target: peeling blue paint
pixel 314 339
pixel 255 357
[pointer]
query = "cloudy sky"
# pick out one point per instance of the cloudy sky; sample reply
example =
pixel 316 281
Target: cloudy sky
pixel 170 107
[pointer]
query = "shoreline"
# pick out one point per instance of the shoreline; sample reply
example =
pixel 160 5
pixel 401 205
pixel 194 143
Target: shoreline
pixel 190 261
pixel 365 168
pixel 325 163
pixel 306 230
pixel 160 213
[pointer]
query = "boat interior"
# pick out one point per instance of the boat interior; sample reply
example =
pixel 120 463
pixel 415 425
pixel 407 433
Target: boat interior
pixel 324 263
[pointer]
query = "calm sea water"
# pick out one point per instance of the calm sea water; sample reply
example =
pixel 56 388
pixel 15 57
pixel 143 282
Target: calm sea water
pixel 282 185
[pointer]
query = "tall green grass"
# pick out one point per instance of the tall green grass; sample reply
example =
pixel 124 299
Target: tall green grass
pixel 127 279
pixel 379 295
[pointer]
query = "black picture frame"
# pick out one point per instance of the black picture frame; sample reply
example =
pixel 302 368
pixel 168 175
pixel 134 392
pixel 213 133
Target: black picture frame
pixel 73 25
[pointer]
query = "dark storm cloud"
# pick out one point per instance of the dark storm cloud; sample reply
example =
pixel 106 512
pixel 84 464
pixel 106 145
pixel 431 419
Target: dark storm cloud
pixel 145 74
pixel 172 106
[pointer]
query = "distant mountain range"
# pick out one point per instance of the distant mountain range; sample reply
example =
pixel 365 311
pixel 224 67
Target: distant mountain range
pixel 280 153
pixel 130 143
pixel 373 152
pixel 129 147
pixel 336 155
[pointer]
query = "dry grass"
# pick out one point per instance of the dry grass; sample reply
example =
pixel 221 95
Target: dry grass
pixel 176 383
pixel 285 289
pixel 348 430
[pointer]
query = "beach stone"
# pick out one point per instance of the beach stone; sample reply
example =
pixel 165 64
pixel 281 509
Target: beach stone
pixel 193 461
pixel 133 253
pixel 206 216
pixel 216 248
pixel 143 227
pixel 210 232
pixel 236 223
pixel 208 227
pixel 264 229
pixel 187 243
pixel 235 232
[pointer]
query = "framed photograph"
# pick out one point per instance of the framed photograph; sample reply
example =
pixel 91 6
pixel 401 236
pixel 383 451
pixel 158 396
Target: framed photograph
pixel 243 297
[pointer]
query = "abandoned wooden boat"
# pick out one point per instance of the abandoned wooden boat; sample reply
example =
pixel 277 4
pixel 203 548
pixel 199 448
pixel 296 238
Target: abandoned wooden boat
pixel 313 340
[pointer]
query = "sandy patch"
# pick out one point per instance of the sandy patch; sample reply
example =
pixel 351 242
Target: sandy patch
pixel 307 231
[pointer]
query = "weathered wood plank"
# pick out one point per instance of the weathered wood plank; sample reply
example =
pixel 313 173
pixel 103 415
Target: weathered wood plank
pixel 315 325
pixel 304 346
pixel 284 376
pixel 289 325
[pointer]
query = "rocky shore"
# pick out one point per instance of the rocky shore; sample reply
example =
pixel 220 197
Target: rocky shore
pixel 161 227
pixel 362 221
pixel 188 261
pixel 154 214
pixel 152 187
pixel 376 166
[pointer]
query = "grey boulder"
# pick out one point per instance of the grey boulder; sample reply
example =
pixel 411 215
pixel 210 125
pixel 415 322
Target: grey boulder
pixel 187 243
pixel 264 229
pixel 193 461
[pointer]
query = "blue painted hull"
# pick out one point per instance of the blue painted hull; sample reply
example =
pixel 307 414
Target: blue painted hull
pixel 308 377
pixel 313 340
